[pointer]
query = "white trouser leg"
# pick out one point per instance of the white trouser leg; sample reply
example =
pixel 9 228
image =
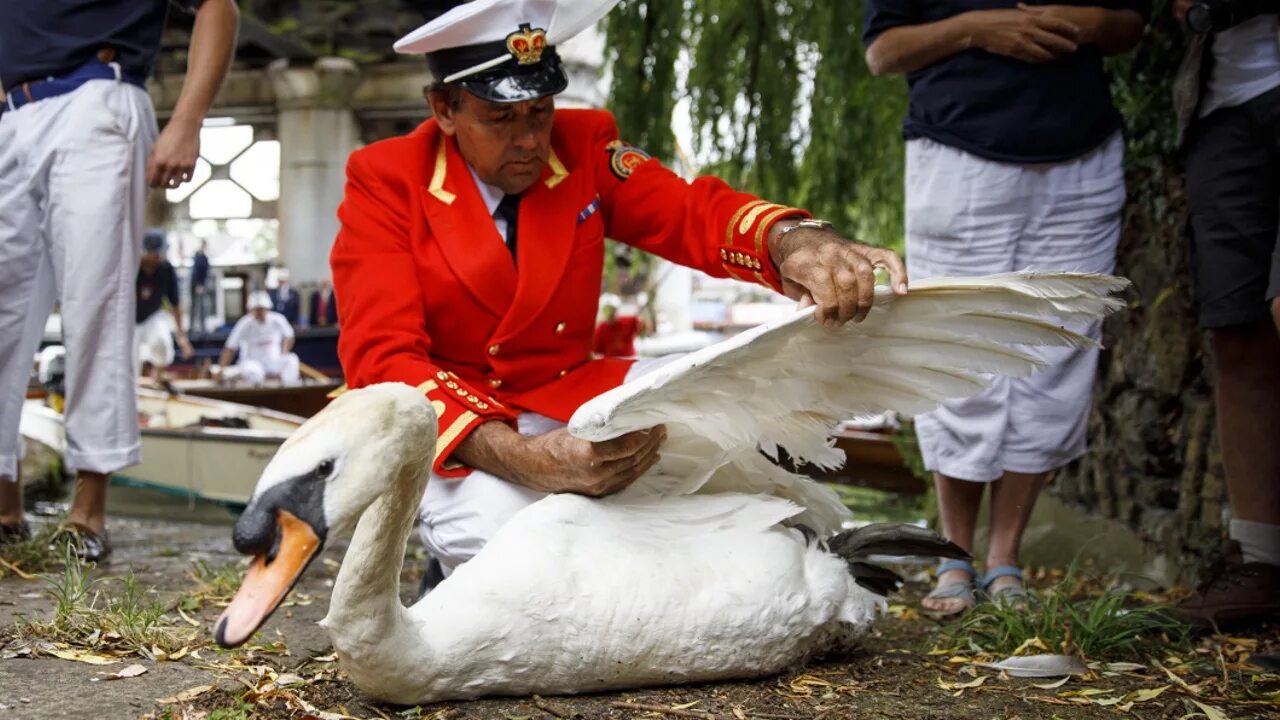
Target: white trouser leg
pixel 153 342
pixel 460 515
pixel 23 294
pixel 251 371
pixel 100 137
pixel 290 372
pixel 970 216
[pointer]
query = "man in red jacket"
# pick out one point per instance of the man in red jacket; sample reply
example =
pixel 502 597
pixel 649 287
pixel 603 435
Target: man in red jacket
pixel 470 256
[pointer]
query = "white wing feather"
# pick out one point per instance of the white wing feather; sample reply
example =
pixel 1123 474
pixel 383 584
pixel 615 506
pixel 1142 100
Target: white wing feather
pixel 786 384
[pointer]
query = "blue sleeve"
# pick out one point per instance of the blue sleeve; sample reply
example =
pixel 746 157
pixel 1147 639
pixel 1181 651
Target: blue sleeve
pixel 880 15
pixel 171 292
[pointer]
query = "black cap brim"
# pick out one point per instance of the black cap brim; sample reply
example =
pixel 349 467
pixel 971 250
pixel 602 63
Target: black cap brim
pixel 540 81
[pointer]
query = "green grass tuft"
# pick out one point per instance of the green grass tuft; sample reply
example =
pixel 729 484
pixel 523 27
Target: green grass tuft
pixel 1111 625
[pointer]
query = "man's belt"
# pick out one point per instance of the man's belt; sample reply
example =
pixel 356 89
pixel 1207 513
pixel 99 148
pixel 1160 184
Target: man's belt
pixel 102 67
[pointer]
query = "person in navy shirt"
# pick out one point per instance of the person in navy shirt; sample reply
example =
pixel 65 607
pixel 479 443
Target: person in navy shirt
pixel 78 148
pixel 1014 161
pixel 199 288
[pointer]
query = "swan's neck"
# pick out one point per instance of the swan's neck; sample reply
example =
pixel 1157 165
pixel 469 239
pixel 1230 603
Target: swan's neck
pixel 365 605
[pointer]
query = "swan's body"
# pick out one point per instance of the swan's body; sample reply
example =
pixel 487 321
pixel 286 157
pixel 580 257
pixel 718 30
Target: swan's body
pixel 656 585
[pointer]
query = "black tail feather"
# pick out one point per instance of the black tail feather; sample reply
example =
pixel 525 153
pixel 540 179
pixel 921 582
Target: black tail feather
pixel 878 580
pixel 855 546
pixel 894 539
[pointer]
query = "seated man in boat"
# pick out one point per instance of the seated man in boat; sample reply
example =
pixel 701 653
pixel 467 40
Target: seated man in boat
pixel 263 339
pixel 469 263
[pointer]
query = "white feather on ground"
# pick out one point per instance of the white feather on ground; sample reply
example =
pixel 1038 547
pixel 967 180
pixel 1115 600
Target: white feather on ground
pixel 788 383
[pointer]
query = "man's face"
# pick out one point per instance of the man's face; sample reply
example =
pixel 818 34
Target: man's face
pixel 260 314
pixel 506 143
pixel 150 260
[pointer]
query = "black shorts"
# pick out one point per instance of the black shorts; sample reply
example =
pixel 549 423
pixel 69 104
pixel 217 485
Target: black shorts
pixel 1233 183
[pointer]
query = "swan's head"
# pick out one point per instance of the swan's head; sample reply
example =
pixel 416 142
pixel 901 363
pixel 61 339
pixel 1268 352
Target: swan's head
pixel 320 481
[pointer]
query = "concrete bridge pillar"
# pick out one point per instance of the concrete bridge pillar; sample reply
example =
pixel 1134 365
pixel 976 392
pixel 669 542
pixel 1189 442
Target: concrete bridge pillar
pixel 317 130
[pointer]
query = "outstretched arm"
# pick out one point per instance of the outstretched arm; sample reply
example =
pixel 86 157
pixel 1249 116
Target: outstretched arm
pixel 213 42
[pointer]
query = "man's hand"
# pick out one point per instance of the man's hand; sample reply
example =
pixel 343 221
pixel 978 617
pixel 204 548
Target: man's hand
pixel 1028 34
pixel 173 159
pixel 835 274
pixel 1180 8
pixel 559 462
pixel 184 345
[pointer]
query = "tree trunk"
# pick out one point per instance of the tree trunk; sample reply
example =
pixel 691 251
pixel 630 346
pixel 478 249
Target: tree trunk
pixel 1154 460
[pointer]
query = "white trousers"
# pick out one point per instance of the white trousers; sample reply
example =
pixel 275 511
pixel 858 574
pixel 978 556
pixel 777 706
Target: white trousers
pixel 72 196
pixel 458 516
pixel 255 371
pixel 969 216
pixel 153 341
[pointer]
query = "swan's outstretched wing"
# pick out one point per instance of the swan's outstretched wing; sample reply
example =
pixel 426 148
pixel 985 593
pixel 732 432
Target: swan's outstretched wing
pixel 788 383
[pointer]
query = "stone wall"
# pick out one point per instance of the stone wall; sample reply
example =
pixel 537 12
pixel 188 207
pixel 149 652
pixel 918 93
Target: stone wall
pixel 1154 461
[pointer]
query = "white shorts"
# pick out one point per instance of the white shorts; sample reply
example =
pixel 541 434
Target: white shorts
pixel 255 371
pixel 970 216
pixel 459 515
pixel 153 341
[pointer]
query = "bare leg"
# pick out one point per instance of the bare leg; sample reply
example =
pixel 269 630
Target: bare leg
pixel 1248 404
pixel 89 506
pixel 11 499
pixel 958 503
pixel 1013 497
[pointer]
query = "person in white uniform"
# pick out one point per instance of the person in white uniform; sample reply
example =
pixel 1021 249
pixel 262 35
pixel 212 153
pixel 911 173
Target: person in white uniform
pixel 1006 170
pixel 263 340
pixel 78 148
pixel 1229 124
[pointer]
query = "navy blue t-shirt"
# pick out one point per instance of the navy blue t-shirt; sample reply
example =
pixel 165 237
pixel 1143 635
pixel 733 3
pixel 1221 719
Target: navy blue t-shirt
pixel 43 38
pixel 154 289
pixel 997 107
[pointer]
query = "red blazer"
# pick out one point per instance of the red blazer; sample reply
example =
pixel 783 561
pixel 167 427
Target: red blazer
pixel 430 296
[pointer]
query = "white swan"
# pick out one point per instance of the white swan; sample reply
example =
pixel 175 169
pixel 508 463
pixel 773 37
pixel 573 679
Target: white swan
pixel 654 585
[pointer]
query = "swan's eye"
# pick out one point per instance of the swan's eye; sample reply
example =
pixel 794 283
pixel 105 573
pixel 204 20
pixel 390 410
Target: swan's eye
pixel 324 469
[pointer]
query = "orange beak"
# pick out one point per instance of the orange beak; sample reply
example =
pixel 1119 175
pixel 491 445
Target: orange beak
pixel 267 583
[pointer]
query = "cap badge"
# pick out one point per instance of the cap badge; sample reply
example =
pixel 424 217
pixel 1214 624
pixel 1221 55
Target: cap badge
pixel 527 44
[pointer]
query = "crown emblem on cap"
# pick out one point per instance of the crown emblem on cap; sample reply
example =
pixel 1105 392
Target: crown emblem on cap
pixel 527 44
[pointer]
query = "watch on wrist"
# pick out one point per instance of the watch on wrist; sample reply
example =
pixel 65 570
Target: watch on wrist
pixel 806 223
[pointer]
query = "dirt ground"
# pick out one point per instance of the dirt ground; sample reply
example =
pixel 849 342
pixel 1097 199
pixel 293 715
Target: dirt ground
pixel 290 672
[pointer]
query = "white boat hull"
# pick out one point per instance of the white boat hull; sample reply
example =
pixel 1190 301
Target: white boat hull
pixel 179 455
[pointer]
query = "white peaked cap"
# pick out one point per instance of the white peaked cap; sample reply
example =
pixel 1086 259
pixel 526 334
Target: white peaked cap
pixel 492 21
pixel 259 299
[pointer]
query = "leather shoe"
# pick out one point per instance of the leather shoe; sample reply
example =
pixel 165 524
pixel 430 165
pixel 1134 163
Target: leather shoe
pixel 14 533
pixel 1236 591
pixel 88 546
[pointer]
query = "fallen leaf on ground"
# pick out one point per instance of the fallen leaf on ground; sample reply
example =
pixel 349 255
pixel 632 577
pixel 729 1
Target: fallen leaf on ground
pixel 1211 712
pixel 186 695
pixel 131 671
pixel 685 706
pixel 90 658
pixel 1034 643
pixel 1052 685
pixel 1139 696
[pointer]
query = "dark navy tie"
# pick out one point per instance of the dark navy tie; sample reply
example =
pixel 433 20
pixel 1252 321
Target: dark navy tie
pixel 509 210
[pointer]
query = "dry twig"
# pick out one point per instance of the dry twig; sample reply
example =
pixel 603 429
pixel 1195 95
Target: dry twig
pixel 16 571
pixel 701 714
pixel 550 709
